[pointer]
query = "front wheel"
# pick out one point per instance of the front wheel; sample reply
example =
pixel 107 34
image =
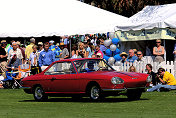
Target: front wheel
pixel 134 94
pixel 95 93
pixel 39 94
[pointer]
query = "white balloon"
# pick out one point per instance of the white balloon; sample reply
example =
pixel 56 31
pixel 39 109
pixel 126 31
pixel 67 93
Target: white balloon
pixel 117 63
pixel 113 47
pixel 111 35
pixel 111 60
pixel 107 42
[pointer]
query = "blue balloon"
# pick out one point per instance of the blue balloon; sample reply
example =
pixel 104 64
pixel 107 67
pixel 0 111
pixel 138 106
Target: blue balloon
pixel 106 57
pixel 115 41
pixel 108 52
pixel 117 57
pixel 117 51
pixel 107 34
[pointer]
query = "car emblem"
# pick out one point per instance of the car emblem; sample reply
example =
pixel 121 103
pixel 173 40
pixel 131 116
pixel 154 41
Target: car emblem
pixel 134 78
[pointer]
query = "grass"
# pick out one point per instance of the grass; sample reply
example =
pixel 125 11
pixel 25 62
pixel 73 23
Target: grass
pixel 17 104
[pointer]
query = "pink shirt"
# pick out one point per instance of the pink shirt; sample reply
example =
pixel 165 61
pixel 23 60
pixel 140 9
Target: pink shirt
pixel 100 52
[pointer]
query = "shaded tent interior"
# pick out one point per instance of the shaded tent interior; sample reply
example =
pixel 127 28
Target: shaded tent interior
pixel 142 46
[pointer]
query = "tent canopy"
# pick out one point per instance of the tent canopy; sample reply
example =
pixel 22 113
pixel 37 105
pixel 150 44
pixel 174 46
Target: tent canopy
pixel 26 18
pixel 161 16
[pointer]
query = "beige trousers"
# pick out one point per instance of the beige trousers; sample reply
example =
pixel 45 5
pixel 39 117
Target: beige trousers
pixel 3 68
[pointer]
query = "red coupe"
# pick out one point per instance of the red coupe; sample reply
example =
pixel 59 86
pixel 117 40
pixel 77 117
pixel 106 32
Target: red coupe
pixel 85 77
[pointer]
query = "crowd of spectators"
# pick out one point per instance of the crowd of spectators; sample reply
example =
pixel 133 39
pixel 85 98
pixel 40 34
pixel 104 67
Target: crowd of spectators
pixel 40 55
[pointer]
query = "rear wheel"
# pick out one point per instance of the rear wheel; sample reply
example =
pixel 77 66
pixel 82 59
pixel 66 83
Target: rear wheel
pixel 134 94
pixel 39 94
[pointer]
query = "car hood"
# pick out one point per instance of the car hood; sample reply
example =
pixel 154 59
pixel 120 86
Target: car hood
pixel 119 74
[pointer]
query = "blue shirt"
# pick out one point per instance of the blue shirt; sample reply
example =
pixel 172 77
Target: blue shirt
pixel 103 48
pixel 66 41
pixel 57 51
pixel 132 59
pixel 9 49
pixel 90 52
pixel 46 58
pixel 52 47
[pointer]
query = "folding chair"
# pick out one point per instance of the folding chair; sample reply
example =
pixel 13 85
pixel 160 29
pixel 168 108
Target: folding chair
pixel 15 77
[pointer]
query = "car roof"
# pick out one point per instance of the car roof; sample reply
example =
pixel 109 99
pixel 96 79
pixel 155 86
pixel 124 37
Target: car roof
pixel 77 59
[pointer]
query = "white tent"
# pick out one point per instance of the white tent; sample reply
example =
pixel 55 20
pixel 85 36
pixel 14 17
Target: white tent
pixel 153 22
pixel 161 16
pixel 26 18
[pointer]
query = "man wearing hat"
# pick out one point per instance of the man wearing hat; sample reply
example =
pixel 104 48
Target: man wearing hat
pixel 124 56
pixel 15 51
pixel 57 52
pixel 22 51
pixel 29 49
pixel 3 59
pixel 64 53
pixel 40 46
pixel 52 46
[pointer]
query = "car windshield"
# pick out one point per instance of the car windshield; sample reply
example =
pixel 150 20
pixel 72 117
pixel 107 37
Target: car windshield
pixel 91 65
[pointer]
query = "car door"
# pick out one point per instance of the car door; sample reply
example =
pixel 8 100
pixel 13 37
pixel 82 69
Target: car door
pixel 62 78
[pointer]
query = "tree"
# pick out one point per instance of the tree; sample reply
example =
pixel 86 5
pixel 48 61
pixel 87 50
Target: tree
pixel 126 7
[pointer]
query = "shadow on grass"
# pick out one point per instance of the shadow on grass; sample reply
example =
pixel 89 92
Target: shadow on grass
pixel 86 100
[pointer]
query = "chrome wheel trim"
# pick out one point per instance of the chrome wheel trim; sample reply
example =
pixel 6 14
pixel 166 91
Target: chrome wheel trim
pixel 38 93
pixel 95 92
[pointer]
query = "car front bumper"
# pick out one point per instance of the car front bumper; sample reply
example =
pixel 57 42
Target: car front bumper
pixel 124 89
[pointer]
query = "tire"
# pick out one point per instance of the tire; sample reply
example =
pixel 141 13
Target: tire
pixel 134 94
pixel 39 94
pixel 94 92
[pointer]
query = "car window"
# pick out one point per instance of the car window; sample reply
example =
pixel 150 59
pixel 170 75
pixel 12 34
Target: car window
pixel 92 65
pixel 61 68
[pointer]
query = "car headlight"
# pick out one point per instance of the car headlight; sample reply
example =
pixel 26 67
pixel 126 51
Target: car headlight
pixel 117 80
pixel 149 78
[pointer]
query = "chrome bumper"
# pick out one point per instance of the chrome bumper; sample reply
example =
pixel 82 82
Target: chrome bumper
pixel 125 89
pixel 25 87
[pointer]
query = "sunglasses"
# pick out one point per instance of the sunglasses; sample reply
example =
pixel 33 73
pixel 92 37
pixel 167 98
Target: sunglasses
pixel 158 42
pixel 138 54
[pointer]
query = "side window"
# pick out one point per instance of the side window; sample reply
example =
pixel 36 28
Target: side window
pixel 61 68
pixel 89 66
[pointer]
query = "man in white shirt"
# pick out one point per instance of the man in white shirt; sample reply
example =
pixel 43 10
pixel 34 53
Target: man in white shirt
pixel 16 51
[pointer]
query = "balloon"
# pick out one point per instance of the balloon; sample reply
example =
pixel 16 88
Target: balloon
pixel 117 51
pixel 111 60
pixel 117 63
pixel 106 57
pixel 117 57
pixel 113 47
pixel 115 41
pixel 107 42
pixel 108 52
pixel 111 35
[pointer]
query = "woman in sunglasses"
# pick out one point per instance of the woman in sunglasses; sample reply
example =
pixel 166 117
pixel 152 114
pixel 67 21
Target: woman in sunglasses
pixel 158 51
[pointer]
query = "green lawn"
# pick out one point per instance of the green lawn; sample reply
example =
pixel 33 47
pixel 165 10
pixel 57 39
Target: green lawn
pixel 17 104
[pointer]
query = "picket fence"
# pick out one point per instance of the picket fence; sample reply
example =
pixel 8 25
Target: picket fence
pixel 169 66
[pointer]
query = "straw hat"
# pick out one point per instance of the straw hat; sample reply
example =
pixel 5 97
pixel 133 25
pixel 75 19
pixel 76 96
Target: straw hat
pixel 40 43
pixel 123 53
pixel 18 43
pixel 99 54
pixel 61 44
pixel 3 41
pixel 51 41
pixel 57 44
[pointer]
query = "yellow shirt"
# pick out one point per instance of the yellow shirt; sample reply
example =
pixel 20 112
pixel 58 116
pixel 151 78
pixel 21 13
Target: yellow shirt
pixel 29 50
pixel 169 78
